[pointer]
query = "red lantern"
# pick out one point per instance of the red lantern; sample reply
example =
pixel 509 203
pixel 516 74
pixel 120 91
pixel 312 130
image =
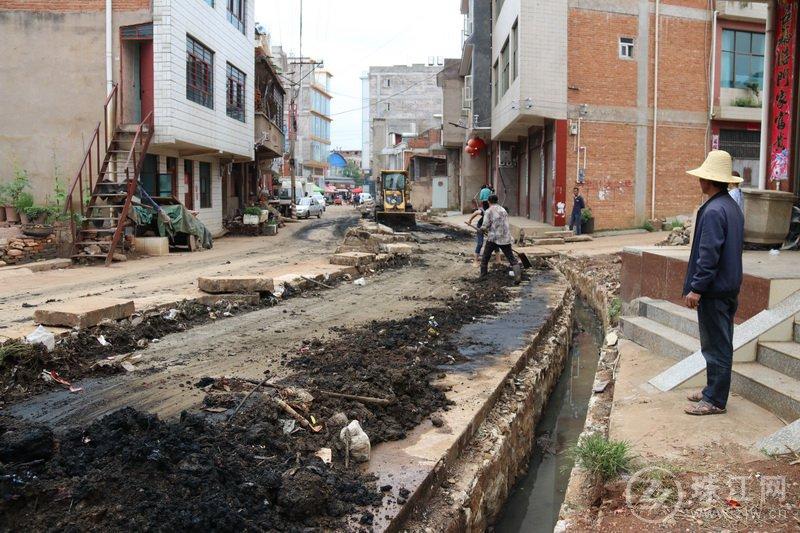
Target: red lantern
pixel 469 149
pixel 479 143
pixel 472 143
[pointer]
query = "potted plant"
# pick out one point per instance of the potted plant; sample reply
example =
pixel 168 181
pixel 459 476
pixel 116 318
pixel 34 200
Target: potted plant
pixel 37 214
pixel 587 220
pixel 252 216
pixel 3 202
pixel 12 193
pixel 23 201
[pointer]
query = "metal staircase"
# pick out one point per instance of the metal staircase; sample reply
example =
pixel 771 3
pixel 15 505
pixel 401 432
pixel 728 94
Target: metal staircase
pixel 99 197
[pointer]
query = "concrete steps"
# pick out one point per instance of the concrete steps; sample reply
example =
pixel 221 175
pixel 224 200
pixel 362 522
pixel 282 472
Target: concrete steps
pixel 797 328
pixel 658 338
pixel 677 317
pixel 772 381
pixel 783 357
pixel 768 388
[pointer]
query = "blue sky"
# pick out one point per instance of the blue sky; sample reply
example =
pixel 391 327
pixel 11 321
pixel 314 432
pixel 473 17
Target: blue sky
pixel 351 35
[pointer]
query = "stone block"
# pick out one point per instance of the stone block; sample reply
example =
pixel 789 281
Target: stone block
pixel 153 246
pixel 558 234
pixel 545 242
pixel 352 259
pixel 398 248
pixel 235 284
pixel 83 312
pixel 578 238
pixel 13 252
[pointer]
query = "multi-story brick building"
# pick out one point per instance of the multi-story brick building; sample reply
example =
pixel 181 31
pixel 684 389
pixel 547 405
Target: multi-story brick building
pixel 188 62
pixel 620 98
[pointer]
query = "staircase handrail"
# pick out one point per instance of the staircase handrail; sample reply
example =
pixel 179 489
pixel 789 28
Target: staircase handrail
pixel 86 164
pixel 132 181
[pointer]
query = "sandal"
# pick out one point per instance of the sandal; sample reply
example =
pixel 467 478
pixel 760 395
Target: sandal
pixel 696 396
pixel 703 408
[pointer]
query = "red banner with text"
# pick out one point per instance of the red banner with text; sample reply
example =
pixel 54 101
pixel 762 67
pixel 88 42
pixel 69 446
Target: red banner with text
pixel 783 90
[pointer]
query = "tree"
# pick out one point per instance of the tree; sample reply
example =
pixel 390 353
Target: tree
pixel 352 170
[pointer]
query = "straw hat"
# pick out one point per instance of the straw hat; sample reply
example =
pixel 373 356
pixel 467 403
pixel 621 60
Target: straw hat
pixel 717 167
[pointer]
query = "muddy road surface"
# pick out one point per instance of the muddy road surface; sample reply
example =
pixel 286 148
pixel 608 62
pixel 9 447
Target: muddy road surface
pixel 154 277
pixel 250 344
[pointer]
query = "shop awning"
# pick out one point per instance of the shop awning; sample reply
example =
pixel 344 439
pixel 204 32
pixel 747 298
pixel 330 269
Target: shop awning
pixel 330 188
pixel 358 190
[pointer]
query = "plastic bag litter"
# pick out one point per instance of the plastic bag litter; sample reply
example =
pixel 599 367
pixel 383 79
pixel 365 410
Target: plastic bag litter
pixel 172 314
pixel 288 425
pixel 356 442
pixel 774 252
pixel 360 282
pixel 41 335
pixel 102 340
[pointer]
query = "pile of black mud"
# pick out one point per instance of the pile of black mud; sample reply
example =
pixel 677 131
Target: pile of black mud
pixel 132 471
pixel 78 354
pixel 397 360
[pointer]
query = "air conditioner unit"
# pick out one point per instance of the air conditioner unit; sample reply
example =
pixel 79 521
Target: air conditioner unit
pixel 507 155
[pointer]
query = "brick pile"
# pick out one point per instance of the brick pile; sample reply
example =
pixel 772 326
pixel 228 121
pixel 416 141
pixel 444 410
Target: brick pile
pixel 19 250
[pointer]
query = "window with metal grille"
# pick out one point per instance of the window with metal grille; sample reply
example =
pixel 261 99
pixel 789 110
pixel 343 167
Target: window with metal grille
pixel 235 98
pixel 742 59
pixel 626 48
pixel 205 185
pixel 199 73
pixel 741 144
pixel 236 11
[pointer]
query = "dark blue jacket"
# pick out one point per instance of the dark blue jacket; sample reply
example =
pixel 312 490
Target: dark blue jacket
pixel 715 264
pixel 577 205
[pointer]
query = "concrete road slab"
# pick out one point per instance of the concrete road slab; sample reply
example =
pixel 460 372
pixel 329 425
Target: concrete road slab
pixel 83 312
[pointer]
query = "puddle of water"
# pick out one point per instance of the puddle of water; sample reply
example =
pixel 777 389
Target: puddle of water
pixel 534 502
pixel 509 329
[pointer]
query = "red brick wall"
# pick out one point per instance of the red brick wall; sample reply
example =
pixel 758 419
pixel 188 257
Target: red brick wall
pixel 598 77
pixel 59 6
pixel 610 173
pixel 596 72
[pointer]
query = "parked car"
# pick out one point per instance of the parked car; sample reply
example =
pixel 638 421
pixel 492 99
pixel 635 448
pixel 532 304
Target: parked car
pixel 320 200
pixel 308 207
pixel 364 197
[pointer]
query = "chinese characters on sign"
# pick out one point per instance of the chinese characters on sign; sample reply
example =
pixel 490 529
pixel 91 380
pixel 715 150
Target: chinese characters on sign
pixel 782 90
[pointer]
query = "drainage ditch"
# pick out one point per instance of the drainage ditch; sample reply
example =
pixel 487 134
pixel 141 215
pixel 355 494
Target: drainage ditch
pixel 534 502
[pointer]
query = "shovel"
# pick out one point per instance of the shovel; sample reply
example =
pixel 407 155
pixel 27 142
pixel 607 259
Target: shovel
pixel 526 263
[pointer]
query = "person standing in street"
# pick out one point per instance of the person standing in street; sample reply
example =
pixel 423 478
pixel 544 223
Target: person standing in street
pixel 479 214
pixel 578 204
pixel 736 192
pixel 483 195
pixel 498 236
pixel 713 279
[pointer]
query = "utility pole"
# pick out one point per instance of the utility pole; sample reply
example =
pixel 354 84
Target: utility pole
pixel 293 114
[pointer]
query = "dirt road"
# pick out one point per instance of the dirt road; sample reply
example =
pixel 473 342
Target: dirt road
pixel 160 278
pixel 247 345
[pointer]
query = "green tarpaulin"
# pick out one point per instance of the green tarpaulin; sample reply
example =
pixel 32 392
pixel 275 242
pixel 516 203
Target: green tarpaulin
pixel 181 221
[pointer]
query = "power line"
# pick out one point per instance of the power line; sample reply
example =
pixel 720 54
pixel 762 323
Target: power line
pixel 386 98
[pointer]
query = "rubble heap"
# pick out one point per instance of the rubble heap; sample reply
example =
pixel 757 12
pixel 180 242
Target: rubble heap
pixel 678 236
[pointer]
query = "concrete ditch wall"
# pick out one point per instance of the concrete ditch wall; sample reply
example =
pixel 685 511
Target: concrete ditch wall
pixel 469 494
pixel 583 488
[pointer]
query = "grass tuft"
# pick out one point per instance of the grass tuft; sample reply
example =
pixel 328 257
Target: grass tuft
pixel 600 456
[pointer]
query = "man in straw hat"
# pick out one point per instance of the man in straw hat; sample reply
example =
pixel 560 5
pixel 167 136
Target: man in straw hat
pixel 713 279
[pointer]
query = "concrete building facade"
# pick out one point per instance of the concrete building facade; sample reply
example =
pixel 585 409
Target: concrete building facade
pixel 619 98
pixel 189 63
pixel 313 117
pixel 403 101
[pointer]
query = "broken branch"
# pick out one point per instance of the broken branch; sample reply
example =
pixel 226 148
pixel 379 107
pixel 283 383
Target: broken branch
pixel 297 416
pixel 246 397
pixel 362 399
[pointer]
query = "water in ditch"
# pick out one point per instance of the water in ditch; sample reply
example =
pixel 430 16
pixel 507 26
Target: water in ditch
pixel 534 502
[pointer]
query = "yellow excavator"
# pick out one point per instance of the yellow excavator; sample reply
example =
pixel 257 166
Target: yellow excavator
pixel 393 205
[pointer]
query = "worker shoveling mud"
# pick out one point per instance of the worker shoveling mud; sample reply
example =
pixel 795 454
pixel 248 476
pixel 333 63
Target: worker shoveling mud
pixel 265 455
